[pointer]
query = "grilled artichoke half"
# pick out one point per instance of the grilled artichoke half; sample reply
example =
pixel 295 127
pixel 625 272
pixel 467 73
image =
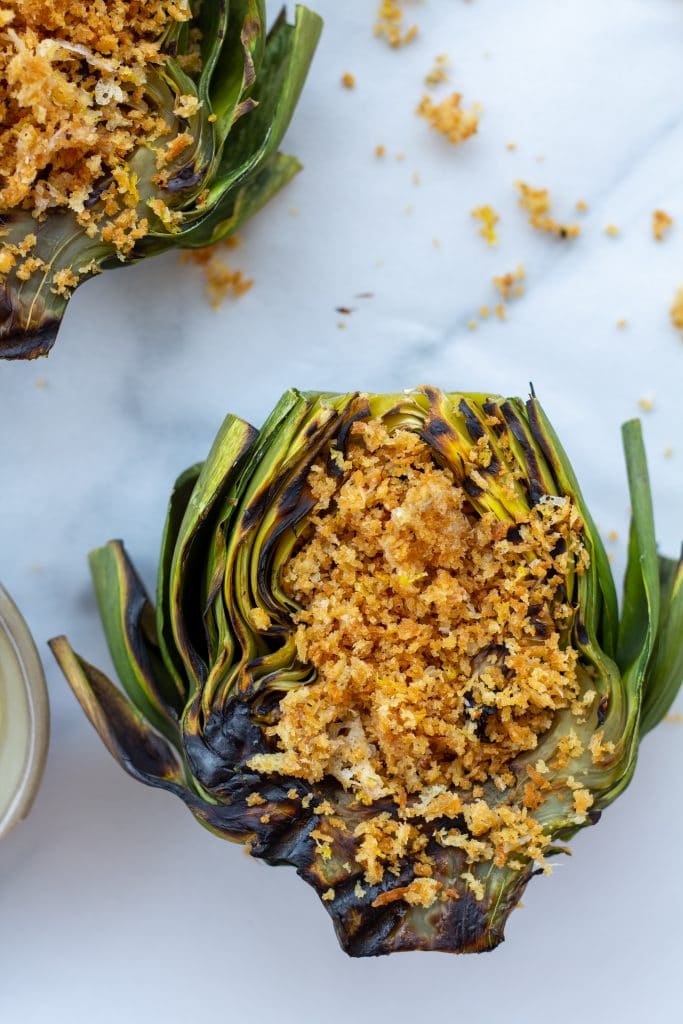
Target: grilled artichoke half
pixel 201 122
pixel 387 651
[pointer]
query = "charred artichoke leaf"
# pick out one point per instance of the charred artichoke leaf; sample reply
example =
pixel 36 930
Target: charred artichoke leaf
pixel 227 168
pixel 226 625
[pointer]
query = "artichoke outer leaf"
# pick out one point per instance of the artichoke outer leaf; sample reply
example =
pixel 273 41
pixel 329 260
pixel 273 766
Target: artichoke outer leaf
pixel 180 497
pixel 607 629
pixel 665 674
pixel 641 605
pixel 129 624
pixel 138 748
pixel 233 442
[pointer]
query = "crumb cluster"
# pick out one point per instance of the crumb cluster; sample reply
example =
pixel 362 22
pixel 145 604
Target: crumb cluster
pixel 389 24
pixel 222 282
pixel 449 117
pixel 439 641
pixel 538 205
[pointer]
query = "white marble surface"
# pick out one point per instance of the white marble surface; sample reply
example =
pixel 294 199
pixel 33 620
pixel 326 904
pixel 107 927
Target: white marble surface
pixel 114 905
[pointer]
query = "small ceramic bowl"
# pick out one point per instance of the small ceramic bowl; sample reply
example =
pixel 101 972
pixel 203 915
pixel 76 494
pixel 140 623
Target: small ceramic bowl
pixel 24 716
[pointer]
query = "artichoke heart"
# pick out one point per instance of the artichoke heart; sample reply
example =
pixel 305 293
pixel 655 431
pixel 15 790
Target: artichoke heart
pixel 131 128
pixel 387 651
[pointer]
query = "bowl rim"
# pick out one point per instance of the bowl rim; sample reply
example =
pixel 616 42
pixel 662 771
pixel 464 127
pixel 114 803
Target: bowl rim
pixel 13 625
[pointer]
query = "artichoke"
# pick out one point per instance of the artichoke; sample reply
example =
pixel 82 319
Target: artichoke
pixel 161 132
pixel 387 651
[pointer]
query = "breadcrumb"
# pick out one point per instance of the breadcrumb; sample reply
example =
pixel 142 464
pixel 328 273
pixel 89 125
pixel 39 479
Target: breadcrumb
pixel 389 24
pixel 221 283
pixel 488 219
pixel 511 285
pixel 348 80
pixel 612 230
pixel 380 151
pixel 538 204
pixel 661 224
pixel 438 72
pixel 581 206
pixel 677 311
pixel 449 118
pixel 646 404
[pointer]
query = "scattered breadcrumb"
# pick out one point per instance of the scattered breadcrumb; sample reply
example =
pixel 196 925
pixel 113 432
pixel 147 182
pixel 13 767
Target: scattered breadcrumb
pixel 254 800
pixel 612 231
pixel 439 71
pixel 449 118
pixel 622 324
pixel 668 453
pixel 415 178
pixel 488 219
pixel 538 204
pixel 582 206
pixel 646 404
pixel 400 157
pixel 661 224
pixel 221 281
pixel 677 311
pixel 674 718
pixel 501 311
pixel 511 147
pixel 328 895
pixel 389 24
pixel 472 325
pixel 484 312
pixel 348 80
pixel 511 285
pixel 380 151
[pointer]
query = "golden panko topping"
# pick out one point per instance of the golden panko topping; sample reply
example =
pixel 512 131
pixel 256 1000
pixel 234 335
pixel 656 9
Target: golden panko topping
pixel 538 204
pixel 438 72
pixel 661 225
pixel 439 641
pixel 449 118
pixel 72 78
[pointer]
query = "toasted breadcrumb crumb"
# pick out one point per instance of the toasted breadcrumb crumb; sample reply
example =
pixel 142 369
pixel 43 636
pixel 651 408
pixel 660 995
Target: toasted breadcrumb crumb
pixel 622 324
pixel 254 800
pixel 661 225
pixel 668 453
pixel 612 231
pixel 646 404
pixel 538 204
pixel 511 285
pixel 511 147
pixel 406 602
pixel 328 895
pixel 677 311
pixel 389 24
pixel 613 536
pixel 438 72
pixel 348 80
pixel 581 206
pixel 488 218
pixel 380 151
pixel 449 118
pixel 421 892
pixel 674 718
pixel 221 283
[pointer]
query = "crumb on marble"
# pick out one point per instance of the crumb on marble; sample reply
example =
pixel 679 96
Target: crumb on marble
pixel 438 72
pixel 348 80
pixel 661 225
pixel 538 205
pixel 612 231
pixel 646 404
pixel 488 218
pixel 449 117
pixel 677 311
pixel 389 24
pixel 222 282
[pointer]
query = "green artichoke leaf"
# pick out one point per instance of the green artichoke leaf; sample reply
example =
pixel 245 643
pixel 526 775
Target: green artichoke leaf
pixel 128 619
pixel 139 749
pixel 664 676
pixel 226 626
pixel 248 87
